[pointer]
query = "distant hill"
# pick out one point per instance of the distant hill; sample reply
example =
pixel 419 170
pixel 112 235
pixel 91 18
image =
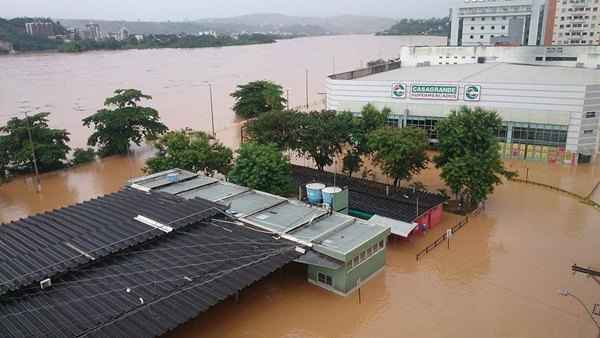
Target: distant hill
pixel 432 26
pixel 265 23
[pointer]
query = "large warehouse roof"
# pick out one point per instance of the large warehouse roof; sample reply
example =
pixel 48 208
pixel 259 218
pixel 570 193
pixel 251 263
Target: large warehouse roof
pixel 115 274
pixel 40 246
pixel 491 73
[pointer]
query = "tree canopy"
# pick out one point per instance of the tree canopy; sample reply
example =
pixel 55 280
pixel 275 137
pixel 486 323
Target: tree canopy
pixel 469 156
pixel 400 152
pixel 50 145
pixel 369 120
pixel 431 26
pixel 262 167
pixel 126 122
pixel 193 151
pixel 323 136
pixel 255 98
pixel 281 128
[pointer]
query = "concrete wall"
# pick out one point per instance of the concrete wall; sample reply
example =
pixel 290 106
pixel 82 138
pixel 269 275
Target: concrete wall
pixel 587 56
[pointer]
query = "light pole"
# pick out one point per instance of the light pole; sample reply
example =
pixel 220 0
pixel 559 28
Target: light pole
pixel 212 114
pixel 306 80
pixel 567 293
pixel 38 184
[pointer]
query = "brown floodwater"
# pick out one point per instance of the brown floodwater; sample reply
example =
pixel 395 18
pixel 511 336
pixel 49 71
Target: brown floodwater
pixel 499 278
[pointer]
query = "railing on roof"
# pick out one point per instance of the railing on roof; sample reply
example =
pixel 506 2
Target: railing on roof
pixel 355 74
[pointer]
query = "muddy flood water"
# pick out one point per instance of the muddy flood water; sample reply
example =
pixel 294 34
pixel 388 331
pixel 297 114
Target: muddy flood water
pixel 498 279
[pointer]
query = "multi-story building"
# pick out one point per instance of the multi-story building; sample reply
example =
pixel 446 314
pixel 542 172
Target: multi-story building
pixel 38 28
pixel 576 22
pixel 490 22
pixel 92 31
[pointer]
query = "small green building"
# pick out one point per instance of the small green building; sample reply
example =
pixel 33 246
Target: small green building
pixel 345 256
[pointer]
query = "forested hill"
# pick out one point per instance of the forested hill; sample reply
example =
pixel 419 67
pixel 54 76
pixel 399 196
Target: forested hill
pixel 13 31
pixel 431 26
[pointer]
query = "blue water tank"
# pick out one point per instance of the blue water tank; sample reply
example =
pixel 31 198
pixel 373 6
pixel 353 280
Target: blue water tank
pixel 329 194
pixel 172 177
pixel 313 191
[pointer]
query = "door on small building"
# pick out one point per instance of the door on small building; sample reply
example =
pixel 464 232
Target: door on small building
pixel 582 158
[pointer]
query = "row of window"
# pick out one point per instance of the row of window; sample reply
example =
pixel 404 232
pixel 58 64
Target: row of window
pixel 590 115
pixel 429 125
pixel 491 27
pixel 587 9
pixel 493 18
pixel 579 1
pixel 577 17
pixel 366 254
pixel 556 58
pixel 575 34
pixel 573 42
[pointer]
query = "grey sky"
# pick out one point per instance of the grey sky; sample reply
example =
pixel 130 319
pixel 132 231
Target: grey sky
pixel 177 10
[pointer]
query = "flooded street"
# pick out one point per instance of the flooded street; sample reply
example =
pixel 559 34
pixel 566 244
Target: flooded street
pixel 498 279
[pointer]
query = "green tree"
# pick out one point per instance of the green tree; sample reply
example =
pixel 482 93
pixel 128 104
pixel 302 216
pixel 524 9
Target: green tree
pixel 50 145
pixel 369 120
pixel 279 127
pixel 262 167
pixel 127 122
pixel 469 156
pixel 83 156
pixel 255 98
pixel 400 152
pixel 193 151
pixel 323 135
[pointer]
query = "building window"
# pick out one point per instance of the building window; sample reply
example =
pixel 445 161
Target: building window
pixel 381 244
pixel 355 261
pixel 363 255
pixel 590 115
pixel 588 132
pixel 481 36
pixel 482 27
pixel 472 37
pixel 539 58
pixel 325 279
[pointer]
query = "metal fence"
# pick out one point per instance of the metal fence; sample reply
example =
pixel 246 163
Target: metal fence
pixel 454 229
pixel 583 199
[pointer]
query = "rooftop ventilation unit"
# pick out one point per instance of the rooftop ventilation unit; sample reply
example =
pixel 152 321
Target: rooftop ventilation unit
pixel 46 283
pixel 579 65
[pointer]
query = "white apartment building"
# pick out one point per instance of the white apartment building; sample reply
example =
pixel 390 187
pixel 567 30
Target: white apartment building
pixel 487 22
pixel 577 22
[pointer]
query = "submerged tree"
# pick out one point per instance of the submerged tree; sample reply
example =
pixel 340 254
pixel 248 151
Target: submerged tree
pixel 126 122
pixel 255 98
pixel 369 120
pixel 193 151
pixel 262 167
pixel 400 152
pixel 469 155
pixel 16 152
pixel 323 136
pixel 281 128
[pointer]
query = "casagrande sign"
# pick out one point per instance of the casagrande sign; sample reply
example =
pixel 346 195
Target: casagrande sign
pixel 435 91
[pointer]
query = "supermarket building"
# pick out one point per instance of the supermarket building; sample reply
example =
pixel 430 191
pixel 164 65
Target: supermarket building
pixel 550 113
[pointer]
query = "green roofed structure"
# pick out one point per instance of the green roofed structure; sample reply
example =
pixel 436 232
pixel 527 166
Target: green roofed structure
pixel 344 251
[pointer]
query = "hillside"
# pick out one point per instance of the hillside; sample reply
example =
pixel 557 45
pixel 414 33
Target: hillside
pixel 274 23
pixel 432 26
pixel 13 31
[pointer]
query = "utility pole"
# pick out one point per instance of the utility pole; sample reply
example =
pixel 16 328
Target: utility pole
pixel 38 188
pixel 287 98
pixel 333 65
pixel 306 89
pixel 212 114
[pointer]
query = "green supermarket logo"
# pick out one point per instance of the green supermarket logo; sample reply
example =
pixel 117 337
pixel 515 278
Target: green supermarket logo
pixel 399 90
pixel 472 93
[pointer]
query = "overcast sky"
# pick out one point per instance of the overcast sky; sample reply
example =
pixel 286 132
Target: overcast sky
pixel 177 10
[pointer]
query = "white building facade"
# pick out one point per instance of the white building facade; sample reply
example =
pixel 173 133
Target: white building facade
pixel 549 113
pixel 487 22
pixel 566 56
pixel 577 22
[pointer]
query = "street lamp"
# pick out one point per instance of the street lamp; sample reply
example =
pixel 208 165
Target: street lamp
pixel 567 293
pixel 212 114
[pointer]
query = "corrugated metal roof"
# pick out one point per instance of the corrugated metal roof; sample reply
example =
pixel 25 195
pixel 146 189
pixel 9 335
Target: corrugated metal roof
pixel 371 197
pixel 398 227
pixel 492 73
pixel 41 246
pixel 150 289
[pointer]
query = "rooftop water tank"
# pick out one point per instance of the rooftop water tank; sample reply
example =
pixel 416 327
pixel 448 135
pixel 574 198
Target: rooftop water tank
pixel 172 177
pixel 313 191
pixel 329 194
